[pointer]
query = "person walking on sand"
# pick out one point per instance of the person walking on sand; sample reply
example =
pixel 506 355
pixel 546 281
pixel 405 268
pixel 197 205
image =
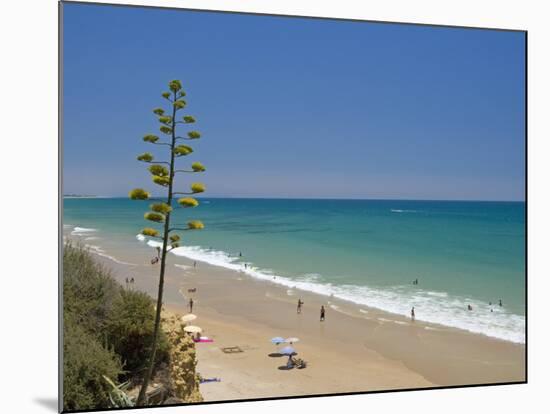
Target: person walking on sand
pixel 191 305
pixel 412 314
pixel 322 317
pixel 194 264
pixel 299 307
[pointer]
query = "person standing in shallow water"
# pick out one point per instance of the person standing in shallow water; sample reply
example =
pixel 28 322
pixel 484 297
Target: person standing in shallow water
pixel 299 307
pixel 412 314
pixel 191 305
pixel 322 317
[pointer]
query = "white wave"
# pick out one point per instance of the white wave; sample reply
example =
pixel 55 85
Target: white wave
pixel 100 252
pixel 83 229
pixel 434 307
pixel 140 237
pixel 79 231
pixel 438 294
pixel 154 243
pixel 183 267
pixel 363 311
pixel 91 238
pixel 310 277
pixel 395 210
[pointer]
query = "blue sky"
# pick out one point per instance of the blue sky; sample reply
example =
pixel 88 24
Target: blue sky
pixel 292 107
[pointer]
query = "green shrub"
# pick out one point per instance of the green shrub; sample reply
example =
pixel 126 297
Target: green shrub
pixel 85 361
pixel 107 331
pixel 89 290
pixel 130 331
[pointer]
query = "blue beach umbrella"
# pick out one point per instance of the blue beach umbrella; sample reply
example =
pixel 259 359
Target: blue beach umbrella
pixel 278 340
pixel 287 350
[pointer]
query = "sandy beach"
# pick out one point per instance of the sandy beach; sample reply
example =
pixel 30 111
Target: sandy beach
pixel 355 349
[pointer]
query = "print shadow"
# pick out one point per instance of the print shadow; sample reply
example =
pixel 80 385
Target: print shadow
pixel 49 403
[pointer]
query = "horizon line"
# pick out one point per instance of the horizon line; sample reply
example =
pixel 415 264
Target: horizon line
pixel 318 198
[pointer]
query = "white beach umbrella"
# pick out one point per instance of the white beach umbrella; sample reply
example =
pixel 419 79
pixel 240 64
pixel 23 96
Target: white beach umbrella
pixel 291 340
pixel 193 329
pixel 188 318
pixel 288 350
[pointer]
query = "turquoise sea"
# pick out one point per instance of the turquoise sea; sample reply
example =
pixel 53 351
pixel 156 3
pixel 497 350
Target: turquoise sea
pixel 365 251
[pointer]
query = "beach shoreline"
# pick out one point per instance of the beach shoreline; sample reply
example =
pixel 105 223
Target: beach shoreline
pixel 356 349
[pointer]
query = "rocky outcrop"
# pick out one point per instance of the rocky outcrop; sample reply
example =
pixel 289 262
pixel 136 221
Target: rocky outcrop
pixel 184 380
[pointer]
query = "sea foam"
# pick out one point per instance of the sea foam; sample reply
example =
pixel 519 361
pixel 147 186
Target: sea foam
pixel 100 252
pixel 80 231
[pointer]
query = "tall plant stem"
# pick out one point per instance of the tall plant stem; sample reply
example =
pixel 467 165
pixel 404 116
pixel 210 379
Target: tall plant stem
pixel 149 373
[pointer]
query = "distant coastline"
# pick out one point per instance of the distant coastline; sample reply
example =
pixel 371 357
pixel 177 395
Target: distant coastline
pixel 80 196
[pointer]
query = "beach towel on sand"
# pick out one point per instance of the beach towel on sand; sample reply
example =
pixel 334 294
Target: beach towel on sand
pixel 203 339
pixel 203 380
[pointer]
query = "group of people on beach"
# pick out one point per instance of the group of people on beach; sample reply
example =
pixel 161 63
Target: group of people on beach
pixel 321 312
pixel 490 304
pixel 246 265
pixel 469 307
pixel 129 281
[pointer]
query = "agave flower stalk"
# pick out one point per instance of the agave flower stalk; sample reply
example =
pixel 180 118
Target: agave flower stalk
pixel 163 174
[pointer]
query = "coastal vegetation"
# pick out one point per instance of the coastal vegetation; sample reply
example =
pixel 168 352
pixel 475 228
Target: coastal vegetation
pixel 107 336
pixel 163 174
